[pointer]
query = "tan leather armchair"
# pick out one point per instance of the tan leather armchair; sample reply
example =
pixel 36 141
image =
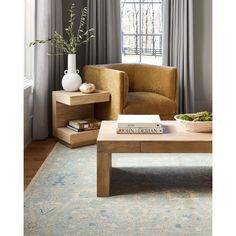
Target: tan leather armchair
pixel 135 89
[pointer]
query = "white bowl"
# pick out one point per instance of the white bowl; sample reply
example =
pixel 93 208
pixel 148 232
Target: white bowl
pixel 196 126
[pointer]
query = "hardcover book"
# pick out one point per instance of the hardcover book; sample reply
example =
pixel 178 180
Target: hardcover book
pixel 86 124
pixel 139 121
pixel 82 130
pixel 74 129
pixel 79 124
pixel 158 130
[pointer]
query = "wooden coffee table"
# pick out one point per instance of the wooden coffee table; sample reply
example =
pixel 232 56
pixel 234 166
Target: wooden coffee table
pixel 173 140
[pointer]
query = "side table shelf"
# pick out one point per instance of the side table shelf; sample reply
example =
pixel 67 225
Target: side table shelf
pixel 71 106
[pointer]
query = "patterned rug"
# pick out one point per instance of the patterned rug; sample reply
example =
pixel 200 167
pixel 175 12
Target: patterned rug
pixel 152 194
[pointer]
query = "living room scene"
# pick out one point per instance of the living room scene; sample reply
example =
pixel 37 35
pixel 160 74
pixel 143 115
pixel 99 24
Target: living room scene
pixel 118 117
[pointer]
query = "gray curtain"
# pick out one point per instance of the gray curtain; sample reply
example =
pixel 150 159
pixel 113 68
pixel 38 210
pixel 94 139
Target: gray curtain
pixel 48 70
pixel 178 48
pixel 104 17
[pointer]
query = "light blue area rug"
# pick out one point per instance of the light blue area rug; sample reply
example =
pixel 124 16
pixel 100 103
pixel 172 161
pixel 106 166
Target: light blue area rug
pixel 152 194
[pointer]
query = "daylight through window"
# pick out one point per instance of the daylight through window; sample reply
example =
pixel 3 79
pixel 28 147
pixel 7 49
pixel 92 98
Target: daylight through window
pixel 142 28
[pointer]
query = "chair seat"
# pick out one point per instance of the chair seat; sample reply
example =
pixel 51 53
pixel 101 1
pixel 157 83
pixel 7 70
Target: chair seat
pixel 149 103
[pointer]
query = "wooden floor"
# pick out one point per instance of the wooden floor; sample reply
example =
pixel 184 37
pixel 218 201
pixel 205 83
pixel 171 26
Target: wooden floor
pixel 34 156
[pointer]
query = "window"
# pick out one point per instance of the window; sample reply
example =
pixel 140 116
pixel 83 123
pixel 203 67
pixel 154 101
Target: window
pixel 142 29
pixel 29 36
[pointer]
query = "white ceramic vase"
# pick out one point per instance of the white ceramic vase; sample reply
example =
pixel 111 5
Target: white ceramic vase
pixel 71 81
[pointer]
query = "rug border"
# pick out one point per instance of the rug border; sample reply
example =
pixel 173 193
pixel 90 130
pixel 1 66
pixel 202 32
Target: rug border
pixel 40 169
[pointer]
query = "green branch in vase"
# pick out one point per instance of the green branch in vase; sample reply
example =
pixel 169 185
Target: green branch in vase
pixel 74 40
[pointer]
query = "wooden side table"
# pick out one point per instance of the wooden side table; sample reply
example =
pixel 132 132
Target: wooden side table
pixel 72 106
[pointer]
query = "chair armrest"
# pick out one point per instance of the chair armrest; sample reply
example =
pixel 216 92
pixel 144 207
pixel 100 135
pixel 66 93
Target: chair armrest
pixel 114 81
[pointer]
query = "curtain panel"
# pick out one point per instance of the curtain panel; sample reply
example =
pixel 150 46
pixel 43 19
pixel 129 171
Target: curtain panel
pixel 178 48
pixel 104 17
pixel 48 70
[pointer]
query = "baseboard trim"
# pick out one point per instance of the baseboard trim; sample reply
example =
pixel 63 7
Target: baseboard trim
pixel 27 143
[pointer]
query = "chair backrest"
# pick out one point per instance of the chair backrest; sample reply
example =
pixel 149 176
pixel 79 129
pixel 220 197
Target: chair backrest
pixel 150 78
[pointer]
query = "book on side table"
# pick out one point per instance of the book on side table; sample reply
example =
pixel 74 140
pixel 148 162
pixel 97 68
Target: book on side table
pixel 84 125
pixel 139 124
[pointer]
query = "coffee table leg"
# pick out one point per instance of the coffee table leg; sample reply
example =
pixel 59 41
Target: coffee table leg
pixel 104 165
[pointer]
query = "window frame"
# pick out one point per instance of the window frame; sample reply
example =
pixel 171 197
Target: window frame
pixel 140 34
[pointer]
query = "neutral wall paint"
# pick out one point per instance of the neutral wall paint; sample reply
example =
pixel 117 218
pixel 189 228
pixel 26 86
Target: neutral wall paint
pixel 203 54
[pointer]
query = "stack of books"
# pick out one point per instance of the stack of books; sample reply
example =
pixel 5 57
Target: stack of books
pixel 139 124
pixel 84 125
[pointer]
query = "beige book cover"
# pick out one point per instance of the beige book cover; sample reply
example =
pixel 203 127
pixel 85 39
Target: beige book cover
pixel 140 121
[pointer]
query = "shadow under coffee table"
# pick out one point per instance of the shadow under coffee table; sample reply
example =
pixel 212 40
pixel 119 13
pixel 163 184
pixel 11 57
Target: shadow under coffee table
pixel 174 140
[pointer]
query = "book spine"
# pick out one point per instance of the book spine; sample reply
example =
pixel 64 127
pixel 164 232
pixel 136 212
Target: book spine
pixel 81 130
pixel 140 130
pixel 74 129
pixel 138 125
pixel 85 124
pixel 78 126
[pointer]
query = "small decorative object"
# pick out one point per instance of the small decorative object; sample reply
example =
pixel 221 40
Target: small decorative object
pixel 87 88
pixel 200 122
pixel 71 80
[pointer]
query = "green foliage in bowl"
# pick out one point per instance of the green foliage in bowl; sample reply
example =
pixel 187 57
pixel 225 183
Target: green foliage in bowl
pixel 199 116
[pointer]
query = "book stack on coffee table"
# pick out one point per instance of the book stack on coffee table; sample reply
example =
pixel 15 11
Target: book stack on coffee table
pixel 139 124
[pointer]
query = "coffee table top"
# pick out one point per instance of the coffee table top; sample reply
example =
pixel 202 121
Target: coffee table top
pixel 173 131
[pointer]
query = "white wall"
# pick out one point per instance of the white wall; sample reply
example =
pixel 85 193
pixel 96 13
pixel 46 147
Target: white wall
pixel 203 54
pixel 28 70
